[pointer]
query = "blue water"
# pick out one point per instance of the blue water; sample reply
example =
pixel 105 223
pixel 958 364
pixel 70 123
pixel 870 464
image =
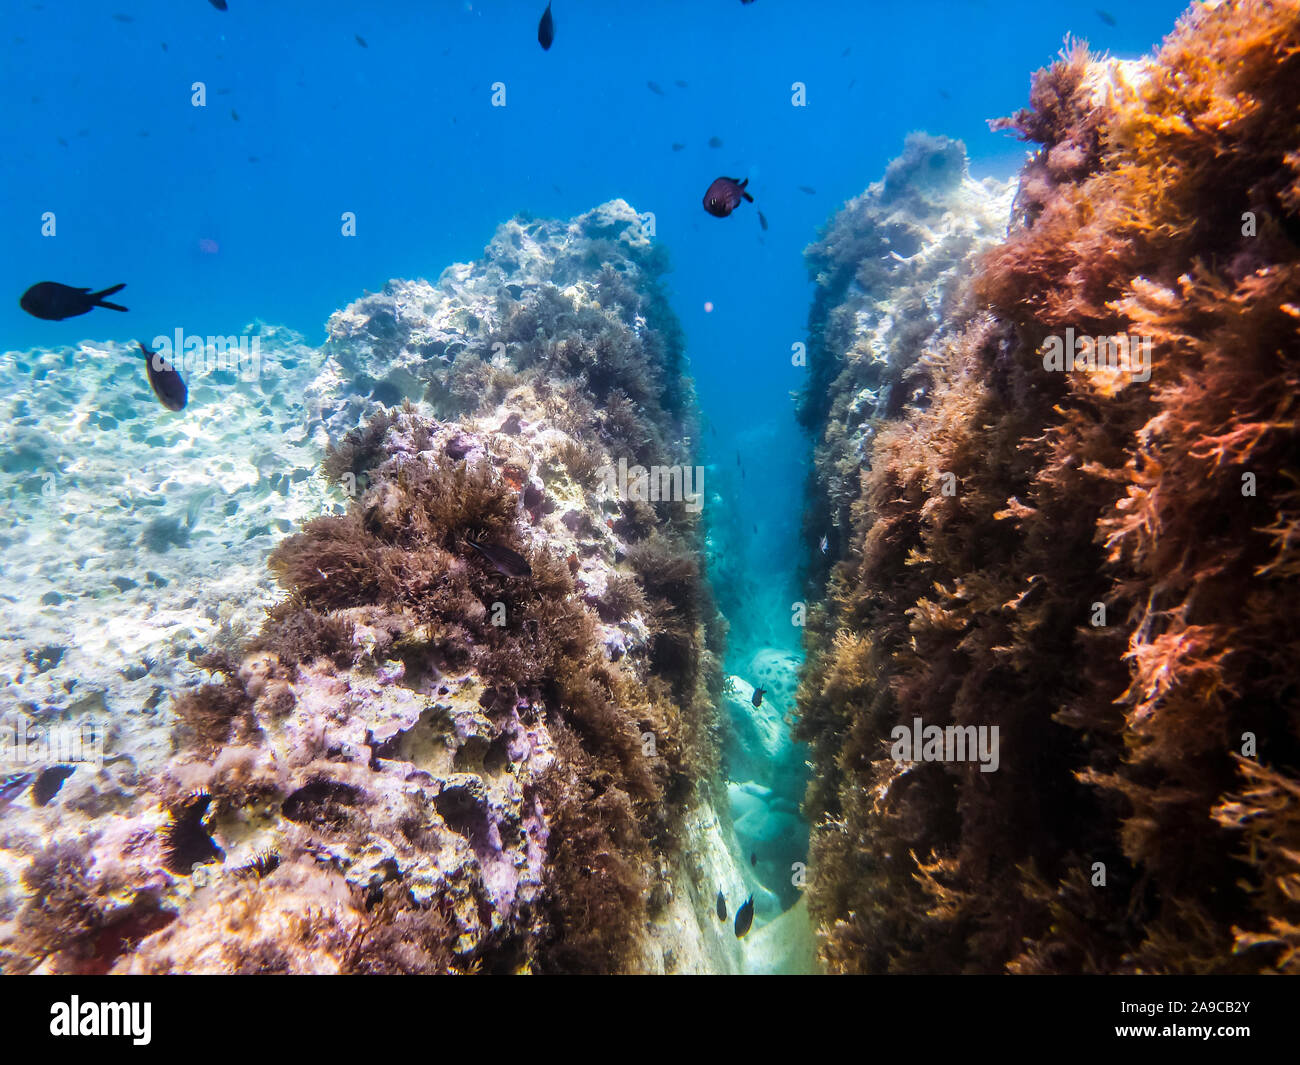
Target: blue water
pixel 214 222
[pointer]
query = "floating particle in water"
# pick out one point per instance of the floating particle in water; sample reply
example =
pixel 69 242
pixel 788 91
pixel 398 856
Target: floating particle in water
pixel 708 306
pixel 678 147
pixel 680 84
pixel 208 246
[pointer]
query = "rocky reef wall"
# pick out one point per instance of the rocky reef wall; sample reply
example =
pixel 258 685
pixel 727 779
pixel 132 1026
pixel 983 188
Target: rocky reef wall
pixel 475 730
pixel 1097 559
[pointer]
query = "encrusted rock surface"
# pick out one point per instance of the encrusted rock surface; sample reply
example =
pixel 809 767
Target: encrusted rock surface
pixel 419 760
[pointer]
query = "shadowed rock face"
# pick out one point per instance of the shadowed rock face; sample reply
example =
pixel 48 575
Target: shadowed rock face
pixel 1099 561
pixel 455 768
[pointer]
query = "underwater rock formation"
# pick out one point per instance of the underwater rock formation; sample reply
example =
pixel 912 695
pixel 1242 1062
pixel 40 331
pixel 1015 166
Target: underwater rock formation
pixel 1100 561
pixel 477 732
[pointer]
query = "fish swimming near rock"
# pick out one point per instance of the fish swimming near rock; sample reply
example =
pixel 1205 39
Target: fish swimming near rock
pixel 506 562
pixel 724 196
pixel 165 380
pixel 745 917
pixel 12 786
pixel 757 700
pixel 722 906
pixel 50 782
pixel 546 30
pixel 54 302
pixel 825 545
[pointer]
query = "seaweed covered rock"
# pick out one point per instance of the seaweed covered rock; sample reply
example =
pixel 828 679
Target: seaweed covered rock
pixel 477 732
pixel 1079 527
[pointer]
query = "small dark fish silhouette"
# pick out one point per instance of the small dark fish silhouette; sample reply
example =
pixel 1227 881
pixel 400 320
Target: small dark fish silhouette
pixel 12 786
pixel 49 782
pixel 757 700
pixel 762 221
pixel 546 30
pixel 654 88
pixel 722 906
pixel 506 562
pixel 124 18
pixel 54 302
pixel 680 84
pixel 361 40
pixel 220 5
pixel 1107 17
pixel 724 196
pixel 745 917
pixel 678 147
pixel 166 382
pixel 753 857
pixel 808 189
pixel 234 114
pixel 715 142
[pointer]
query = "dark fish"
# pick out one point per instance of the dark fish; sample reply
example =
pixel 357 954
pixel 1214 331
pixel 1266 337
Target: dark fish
pixel 753 857
pixel 722 907
pixel 762 221
pixel 124 18
pixel 679 83
pixel 845 54
pixel 945 94
pixel 234 114
pixel 757 700
pixel 715 142
pixel 49 782
pixel 12 786
pixel 546 30
pixel 506 562
pixel 55 302
pixel 808 189
pixel 724 196
pixel 745 917
pixel 1107 17
pixel 361 40
pixel 166 382
pixel 654 88
pixel 678 147
pixel 220 5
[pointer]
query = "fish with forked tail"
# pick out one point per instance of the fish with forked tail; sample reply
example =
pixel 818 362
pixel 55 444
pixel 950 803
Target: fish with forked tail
pixel 546 30
pixel 724 196
pixel 745 917
pixel 54 302
pixel 505 561
pixel 164 379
